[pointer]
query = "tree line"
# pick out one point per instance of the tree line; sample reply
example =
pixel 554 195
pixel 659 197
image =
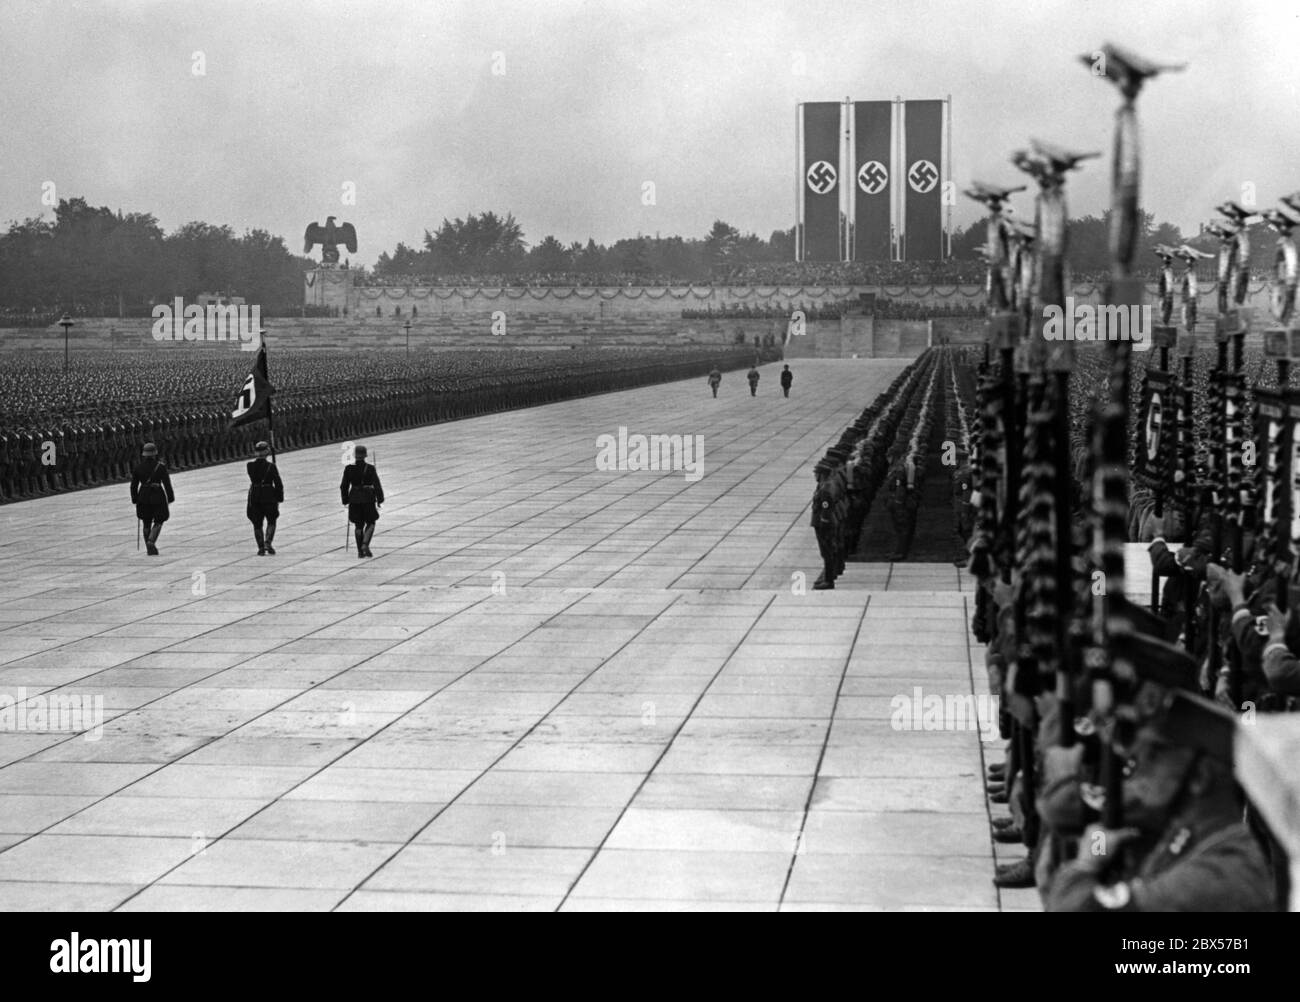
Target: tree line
pixel 92 260
pixel 490 244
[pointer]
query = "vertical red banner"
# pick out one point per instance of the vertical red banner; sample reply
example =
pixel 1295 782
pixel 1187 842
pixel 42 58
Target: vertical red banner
pixel 873 188
pixel 922 166
pixel 820 178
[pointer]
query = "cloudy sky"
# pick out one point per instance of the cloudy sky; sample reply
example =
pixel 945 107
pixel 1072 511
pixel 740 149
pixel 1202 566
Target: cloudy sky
pixel 560 110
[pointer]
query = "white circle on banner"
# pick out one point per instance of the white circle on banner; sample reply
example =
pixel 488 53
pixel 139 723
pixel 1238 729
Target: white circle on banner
pixel 821 177
pixel 922 176
pixel 872 177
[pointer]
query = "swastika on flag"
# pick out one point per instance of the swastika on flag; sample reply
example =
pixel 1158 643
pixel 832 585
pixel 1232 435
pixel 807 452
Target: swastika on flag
pixel 872 177
pixel 922 176
pixel 821 177
pixel 247 397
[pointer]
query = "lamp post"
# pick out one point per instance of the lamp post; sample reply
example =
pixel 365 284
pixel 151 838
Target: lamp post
pixel 408 337
pixel 65 322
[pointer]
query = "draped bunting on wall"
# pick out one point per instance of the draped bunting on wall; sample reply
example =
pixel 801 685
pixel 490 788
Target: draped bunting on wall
pixel 723 294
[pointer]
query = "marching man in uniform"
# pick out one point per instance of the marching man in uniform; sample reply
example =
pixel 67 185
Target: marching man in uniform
pixel 362 494
pixel 265 495
pixel 151 493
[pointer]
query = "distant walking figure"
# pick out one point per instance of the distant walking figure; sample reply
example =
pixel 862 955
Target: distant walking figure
pixel 151 493
pixel 715 377
pixel 362 493
pixel 265 495
pixel 787 377
pixel 752 376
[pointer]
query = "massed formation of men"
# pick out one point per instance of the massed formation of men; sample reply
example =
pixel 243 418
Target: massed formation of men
pixel 45 452
pixel 1121 722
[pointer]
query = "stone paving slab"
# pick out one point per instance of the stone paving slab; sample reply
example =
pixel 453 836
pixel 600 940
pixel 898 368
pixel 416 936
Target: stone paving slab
pixel 553 687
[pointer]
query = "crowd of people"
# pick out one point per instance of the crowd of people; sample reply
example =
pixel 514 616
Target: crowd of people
pixel 882 307
pixel 524 280
pixel 1217 645
pixel 784 273
pixel 900 309
pixel 114 408
pixel 770 311
pixel 1152 778
pixel 909 273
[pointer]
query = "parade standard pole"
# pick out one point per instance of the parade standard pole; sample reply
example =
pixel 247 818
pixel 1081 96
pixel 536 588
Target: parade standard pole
pixel 1049 166
pixel 1189 490
pixel 1000 331
pixel 1110 433
pixel 1230 331
pixel 1164 336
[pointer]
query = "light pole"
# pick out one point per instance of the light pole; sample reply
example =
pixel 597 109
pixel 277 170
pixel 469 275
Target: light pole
pixel 65 322
pixel 408 337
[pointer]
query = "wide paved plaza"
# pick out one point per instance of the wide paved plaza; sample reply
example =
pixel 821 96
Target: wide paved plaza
pixel 553 687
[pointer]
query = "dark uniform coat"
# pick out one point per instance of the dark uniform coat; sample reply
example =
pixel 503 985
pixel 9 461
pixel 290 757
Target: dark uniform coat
pixel 262 471
pixel 1198 866
pixel 151 471
pixel 829 514
pixel 361 473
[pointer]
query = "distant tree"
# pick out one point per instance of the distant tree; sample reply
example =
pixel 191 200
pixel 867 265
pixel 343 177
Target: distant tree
pixel 549 256
pixel 721 245
pixel 482 243
pixel 781 245
pixel 1166 233
pixel 633 255
pixel 592 258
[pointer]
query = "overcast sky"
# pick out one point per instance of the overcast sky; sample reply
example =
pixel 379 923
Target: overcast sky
pixel 401 99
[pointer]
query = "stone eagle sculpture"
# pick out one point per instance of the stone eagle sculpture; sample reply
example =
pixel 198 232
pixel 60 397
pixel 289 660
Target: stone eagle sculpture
pixel 329 237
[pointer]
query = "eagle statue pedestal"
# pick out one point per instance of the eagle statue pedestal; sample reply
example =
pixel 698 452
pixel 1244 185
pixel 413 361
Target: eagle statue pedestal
pixel 329 285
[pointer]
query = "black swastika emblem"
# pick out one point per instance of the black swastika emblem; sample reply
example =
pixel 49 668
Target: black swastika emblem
pixel 872 177
pixel 247 397
pixel 922 177
pixel 821 177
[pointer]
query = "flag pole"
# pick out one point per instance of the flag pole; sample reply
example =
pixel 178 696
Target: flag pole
pixel 270 398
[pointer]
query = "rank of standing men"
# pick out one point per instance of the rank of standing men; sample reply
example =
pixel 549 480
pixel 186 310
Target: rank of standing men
pixel 1121 723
